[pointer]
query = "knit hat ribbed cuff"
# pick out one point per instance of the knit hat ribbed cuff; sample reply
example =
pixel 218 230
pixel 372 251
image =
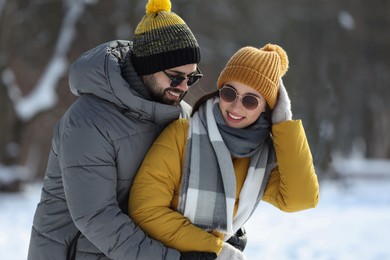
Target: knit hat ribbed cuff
pixel 252 78
pixel 161 61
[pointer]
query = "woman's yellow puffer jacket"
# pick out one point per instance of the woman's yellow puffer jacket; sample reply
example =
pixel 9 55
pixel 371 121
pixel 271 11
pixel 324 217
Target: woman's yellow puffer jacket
pixel 153 200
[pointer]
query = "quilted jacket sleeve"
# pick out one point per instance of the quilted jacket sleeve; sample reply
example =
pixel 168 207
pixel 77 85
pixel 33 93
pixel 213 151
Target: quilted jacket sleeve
pixel 153 191
pixel 293 184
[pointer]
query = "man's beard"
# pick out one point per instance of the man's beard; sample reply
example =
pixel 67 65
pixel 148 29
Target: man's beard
pixel 159 94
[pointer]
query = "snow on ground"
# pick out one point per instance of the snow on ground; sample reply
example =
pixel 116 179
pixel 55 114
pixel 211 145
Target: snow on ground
pixel 351 221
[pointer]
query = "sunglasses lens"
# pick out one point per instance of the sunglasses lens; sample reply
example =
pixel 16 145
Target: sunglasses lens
pixel 176 81
pixel 250 102
pixel 193 79
pixel 228 94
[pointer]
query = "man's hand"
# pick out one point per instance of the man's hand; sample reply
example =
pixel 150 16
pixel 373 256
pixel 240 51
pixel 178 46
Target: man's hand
pixel 198 256
pixel 239 239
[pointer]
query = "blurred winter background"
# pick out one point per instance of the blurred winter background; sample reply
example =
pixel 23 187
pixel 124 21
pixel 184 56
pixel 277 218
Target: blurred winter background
pixel 339 83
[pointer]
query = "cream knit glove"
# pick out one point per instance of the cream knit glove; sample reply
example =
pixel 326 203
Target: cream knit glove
pixel 282 110
pixel 229 253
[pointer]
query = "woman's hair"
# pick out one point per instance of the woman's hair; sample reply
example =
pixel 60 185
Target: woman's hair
pixel 209 95
pixel 202 100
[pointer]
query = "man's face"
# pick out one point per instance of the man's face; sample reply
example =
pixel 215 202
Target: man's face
pixel 160 88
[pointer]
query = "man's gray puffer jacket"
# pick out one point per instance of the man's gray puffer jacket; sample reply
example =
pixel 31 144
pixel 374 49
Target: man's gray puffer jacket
pixel 97 148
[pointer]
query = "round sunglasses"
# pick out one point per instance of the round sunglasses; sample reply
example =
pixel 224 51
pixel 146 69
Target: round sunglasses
pixel 176 80
pixel 229 94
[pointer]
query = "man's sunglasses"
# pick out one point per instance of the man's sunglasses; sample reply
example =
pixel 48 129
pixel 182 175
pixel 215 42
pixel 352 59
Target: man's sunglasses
pixel 229 94
pixel 176 80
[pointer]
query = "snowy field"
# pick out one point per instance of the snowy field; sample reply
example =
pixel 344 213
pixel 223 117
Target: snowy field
pixel 352 221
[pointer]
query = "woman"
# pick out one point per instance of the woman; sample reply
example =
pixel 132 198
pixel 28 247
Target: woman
pixel 203 177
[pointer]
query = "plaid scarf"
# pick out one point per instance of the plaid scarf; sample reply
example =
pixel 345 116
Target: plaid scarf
pixel 208 186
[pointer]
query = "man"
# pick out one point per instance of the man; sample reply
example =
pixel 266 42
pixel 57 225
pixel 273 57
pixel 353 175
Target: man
pixel 129 91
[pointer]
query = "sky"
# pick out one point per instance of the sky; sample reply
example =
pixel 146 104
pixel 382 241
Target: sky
pixel 351 221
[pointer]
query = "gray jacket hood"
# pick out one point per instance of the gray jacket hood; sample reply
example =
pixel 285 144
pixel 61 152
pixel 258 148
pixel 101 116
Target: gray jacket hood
pixel 98 72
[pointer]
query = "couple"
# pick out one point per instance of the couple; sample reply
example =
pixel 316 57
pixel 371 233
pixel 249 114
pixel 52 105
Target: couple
pixel 239 146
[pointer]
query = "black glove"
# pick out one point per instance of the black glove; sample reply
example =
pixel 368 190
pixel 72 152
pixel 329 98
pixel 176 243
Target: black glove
pixel 198 256
pixel 239 239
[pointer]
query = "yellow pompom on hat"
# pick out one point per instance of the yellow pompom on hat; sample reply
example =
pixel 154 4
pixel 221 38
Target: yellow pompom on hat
pixel 260 69
pixel 162 40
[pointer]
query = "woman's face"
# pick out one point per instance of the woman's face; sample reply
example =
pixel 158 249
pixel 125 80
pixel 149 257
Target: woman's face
pixel 235 114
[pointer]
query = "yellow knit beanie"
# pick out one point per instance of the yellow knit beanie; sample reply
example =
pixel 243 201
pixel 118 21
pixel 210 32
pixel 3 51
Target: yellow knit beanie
pixel 162 40
pixel 260 69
